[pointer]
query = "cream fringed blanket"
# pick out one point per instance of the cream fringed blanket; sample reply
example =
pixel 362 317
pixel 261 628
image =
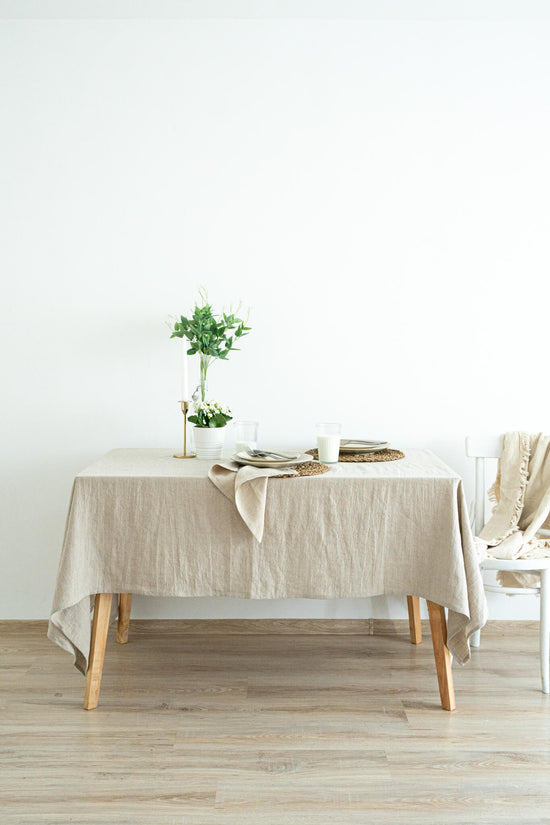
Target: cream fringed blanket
pixel 521 494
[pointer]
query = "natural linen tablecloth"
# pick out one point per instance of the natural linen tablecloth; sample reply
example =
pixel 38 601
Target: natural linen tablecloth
pixel 143 522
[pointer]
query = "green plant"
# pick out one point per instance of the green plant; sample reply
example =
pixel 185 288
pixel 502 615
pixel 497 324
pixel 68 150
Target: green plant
pixel 212 335
pixel 210 414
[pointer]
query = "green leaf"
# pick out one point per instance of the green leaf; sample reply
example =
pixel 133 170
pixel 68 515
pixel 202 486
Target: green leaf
pixel 209 333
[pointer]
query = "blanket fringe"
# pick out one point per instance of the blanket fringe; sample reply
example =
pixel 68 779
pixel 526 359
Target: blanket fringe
pixel 525 447
pixel 494 490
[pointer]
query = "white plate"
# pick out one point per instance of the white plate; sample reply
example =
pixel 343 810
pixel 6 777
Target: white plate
pixel 272 463
pixel 289 455
pixel 357 448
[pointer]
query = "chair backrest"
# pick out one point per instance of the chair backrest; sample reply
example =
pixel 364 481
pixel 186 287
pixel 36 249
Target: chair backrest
pixel 481 447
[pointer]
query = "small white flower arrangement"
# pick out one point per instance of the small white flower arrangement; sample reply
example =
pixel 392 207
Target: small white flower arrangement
pixel 210 414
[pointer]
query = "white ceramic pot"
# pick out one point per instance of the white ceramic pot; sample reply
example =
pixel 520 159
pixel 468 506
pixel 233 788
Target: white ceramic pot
pixel 209 441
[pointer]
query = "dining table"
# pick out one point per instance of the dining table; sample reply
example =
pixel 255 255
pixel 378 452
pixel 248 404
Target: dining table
pixel 141 521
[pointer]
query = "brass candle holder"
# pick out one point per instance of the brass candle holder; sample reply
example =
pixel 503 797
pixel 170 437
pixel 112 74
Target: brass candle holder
pixel 185 410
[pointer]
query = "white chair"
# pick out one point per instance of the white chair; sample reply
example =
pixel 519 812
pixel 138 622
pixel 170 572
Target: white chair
pixel 482 448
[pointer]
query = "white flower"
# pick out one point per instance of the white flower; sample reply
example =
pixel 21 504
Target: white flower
pixel 211 408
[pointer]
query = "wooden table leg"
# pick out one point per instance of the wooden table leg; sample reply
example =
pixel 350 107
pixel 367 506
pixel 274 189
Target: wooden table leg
pixel 100 626
pixel 415 627
pixel 124 607
pixel 438 627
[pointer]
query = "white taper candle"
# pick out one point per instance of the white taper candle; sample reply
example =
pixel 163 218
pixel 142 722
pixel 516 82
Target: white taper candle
pixel 184 371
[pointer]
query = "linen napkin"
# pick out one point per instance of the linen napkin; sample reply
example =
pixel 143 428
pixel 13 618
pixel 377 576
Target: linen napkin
pixel 246 487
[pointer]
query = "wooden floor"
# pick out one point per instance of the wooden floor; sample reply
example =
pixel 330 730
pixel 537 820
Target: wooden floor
pixel 218 729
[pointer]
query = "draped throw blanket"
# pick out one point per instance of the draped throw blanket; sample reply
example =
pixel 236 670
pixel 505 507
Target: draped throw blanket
pixel 521 495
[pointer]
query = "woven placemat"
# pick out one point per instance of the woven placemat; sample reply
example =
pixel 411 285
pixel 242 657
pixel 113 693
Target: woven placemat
pixel 381 455
pixel 308 468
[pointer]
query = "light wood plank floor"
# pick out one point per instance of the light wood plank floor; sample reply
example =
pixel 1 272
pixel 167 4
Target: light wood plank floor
pixel 214 729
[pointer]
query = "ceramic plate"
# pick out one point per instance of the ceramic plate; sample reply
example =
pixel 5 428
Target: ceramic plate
pixel 358 447
pixel 273 463
pixel 288 454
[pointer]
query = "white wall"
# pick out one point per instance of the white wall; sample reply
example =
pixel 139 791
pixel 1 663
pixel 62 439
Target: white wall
pixel 375 190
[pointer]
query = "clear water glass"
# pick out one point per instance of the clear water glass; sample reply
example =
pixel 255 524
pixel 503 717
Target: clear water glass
pixel 246 435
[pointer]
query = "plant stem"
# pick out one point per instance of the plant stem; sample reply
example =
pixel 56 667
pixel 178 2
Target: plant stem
pixel 204 364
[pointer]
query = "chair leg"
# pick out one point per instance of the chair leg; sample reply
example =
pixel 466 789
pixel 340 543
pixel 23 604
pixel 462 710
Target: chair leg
pixel 475 639
pixel 415 627
pixel 124 608
pixel 100 626
pixel 545 629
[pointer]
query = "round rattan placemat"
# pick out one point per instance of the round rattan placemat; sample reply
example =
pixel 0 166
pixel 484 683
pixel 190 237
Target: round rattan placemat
pixel 381 455
pixel 308 468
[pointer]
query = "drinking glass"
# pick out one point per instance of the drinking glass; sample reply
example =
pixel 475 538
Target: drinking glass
pixel 246 435
pixel 328 442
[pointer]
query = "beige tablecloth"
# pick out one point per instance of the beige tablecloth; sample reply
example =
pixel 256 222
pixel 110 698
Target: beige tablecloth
pixel 143 522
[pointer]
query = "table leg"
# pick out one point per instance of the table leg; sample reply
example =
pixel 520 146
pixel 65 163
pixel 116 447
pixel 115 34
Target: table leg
pixel 415 627
pixel 438 627
pixel 124 607
pixel 100 626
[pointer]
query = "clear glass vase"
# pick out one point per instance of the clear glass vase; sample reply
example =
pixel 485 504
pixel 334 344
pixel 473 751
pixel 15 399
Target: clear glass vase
pixel 204 364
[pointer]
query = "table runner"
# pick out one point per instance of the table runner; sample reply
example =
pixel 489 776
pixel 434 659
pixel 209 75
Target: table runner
pixel 143 522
